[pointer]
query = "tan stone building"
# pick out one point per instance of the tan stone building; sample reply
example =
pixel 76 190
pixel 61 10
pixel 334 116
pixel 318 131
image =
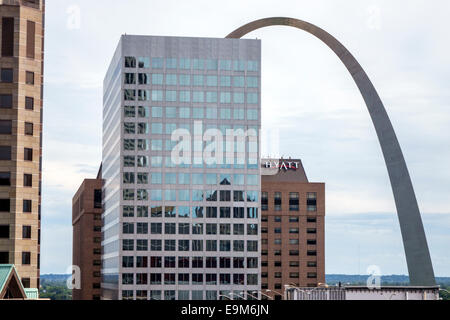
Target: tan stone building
pixel 21 79
pixel 292 228
pixel 87 224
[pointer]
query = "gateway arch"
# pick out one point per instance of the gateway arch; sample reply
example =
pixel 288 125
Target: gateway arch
pixel 418 258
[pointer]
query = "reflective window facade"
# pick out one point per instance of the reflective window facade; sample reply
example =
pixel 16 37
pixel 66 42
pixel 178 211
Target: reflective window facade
pixel 196 220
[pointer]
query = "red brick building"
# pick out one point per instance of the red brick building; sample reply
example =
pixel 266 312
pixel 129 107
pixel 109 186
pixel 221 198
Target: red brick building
pixel 87 224
pixel 292 228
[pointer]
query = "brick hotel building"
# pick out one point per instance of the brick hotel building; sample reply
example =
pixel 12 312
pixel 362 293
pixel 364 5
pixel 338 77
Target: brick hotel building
pixel 87 234
pixel 292 228
pixel 21 93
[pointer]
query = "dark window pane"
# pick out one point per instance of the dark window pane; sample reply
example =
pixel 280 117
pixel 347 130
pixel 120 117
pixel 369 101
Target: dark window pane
pixel 28 128
pixel 7 75
pixel 28 154
pixel 26 232
pixel 26 282
pixel 130 62
pixel 26 258
pixel 4 205
pixel 5 153
pixel 4 257
pixel 6 101
pixel 29 77
pixel 97 198
pixel 5 126
pixel 4 232
pixel 27 180
pixel 31 39
pixel 29 103
pixel 5 178
pixel 27 206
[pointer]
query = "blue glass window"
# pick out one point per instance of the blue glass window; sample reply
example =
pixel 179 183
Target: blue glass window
pixel 225 97
pixel 225 81
pixel 157 95
pixel 198 96
pixel 211 81
pixel 157 63
pixel 185 79
pixel 157 145
pixel 144 62
pixel 183 212
pixel 252 180
pixel 185 96
pixel 157 128
pixel 225 64
pixel 252 98
pixel 238 97
pixel 239 81
pixel 197 178
pixel 170 127
pixel 239 114
pixel 171 79
pixel 197 80
pixel 157 112
pixel 252 82
pixel 252 213
pixel 252 196
pixel 211 113
pixel 252 114
pixel 198 64
pixel 211 97
pixel 171 178
pixel 171 96
pixel 252 66
pixel 185 63
pixel 185 113
pixel 171 112
pixel 157 78
pixel 156 162
pixel 197 113
pixel 156 195
pixel 170 195
pixel 239 65
pixel 170 145
pixel 171 63
pixel 156 178
pixel 183 195
pixel 225 113
pixel 197 195
pixel 211 178
pixel 184 178
pixel 169 163
pixel 239 179
pixel 211 64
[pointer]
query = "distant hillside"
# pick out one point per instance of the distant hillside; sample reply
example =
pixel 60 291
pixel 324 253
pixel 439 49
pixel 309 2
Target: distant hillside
pixel 54 277
pixel 332 279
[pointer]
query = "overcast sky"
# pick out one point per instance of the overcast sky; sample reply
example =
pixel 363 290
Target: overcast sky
pixel 308 97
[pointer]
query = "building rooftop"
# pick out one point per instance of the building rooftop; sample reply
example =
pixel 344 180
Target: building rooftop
pixel 6 279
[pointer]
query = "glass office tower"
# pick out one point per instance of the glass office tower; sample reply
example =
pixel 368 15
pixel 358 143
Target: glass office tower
pixel 181 120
